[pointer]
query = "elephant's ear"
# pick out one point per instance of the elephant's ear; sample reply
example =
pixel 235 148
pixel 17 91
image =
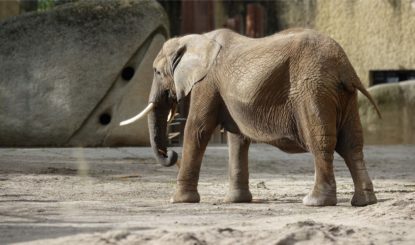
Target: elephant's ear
pixel 192 61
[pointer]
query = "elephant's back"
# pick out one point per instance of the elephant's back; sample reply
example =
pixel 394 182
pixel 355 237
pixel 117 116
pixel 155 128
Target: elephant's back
pixel 318 67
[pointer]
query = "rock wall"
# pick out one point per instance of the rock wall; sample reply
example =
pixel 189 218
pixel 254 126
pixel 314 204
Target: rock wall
pixel 397 104
pixel 70 75
pixel 376 34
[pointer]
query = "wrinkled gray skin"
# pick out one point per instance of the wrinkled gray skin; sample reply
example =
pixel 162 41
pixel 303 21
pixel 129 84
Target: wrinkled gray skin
pixel 295 90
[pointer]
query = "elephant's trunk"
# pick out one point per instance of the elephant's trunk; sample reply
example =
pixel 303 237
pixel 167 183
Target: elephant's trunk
pixel 157 125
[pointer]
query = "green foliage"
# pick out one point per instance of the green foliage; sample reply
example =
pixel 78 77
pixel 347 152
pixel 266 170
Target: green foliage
pixel 43 5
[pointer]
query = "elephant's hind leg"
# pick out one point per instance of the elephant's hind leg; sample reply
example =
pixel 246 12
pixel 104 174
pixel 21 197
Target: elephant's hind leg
pixel 238 169
pixel 324 190
pixel 319 132
pixel 350 147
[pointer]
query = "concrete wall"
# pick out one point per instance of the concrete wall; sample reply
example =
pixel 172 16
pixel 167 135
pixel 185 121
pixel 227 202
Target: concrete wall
pixel 9 8
pixel 397 105
pixel 376 34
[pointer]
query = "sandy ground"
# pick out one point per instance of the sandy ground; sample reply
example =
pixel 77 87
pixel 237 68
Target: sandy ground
pixel 120 196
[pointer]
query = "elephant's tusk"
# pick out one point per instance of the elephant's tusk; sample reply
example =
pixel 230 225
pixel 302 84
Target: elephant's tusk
pixel 140 115
pixel 172 114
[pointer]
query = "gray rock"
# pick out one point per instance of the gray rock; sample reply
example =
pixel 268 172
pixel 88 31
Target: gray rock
pixel 61 73
pixel 397 104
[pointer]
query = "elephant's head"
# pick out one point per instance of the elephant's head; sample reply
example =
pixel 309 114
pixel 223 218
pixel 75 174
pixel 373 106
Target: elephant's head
pixel 180 64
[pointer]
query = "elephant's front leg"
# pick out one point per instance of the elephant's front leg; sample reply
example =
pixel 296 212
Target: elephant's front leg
pixel 196 138
pixel 238 169
pixel 201 122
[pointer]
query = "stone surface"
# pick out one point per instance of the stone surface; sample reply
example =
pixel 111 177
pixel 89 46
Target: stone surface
pixel 396 102
pixel 61 72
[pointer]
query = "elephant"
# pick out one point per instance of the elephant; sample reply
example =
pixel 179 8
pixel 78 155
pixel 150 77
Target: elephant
pixel 295 90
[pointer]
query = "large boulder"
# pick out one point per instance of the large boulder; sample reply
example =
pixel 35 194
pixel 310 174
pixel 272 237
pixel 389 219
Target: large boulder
pixel 396 102
pixel 70 75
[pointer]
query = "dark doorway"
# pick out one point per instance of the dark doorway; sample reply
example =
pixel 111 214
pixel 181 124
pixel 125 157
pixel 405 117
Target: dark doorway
pixel 390 76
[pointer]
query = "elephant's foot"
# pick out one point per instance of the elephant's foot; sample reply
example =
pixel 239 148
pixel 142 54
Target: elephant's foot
pixel 319 198
pixel 363 198
pixel 238 195
pixel 185 196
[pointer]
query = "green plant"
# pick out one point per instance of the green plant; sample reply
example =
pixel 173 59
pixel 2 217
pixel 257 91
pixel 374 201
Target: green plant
pixel 43 5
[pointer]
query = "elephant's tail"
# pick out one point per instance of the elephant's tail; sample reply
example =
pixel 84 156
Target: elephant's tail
pixel 359 86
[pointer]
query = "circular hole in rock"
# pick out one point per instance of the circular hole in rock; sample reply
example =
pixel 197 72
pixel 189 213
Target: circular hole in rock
pixel 127 73
pixel 105 119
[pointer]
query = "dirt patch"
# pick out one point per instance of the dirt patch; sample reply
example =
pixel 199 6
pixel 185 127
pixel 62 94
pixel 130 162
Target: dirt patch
pixel 113 196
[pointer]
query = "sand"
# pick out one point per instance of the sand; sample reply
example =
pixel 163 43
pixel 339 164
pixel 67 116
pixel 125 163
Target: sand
pixel 121 196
